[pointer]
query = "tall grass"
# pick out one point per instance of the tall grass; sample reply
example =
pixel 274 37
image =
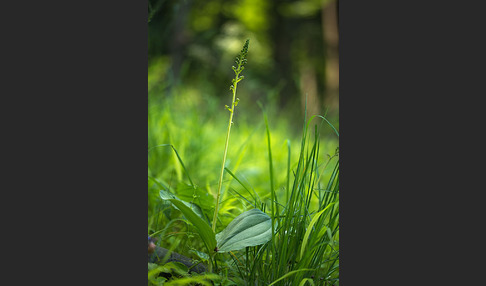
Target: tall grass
pixel 305 245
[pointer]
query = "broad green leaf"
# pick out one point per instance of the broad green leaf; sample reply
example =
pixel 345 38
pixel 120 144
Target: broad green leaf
pixel 250 228
pixel 202 255
pixel 166 195
pixel 204 230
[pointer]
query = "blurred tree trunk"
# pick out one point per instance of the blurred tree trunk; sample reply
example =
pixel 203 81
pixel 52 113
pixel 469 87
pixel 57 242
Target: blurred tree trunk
pixel 311 62
pixel 282 34
pixel 179 39
pixel 331 39
pixel 309 96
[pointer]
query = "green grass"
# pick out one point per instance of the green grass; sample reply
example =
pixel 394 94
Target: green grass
pixel 305 244
pixel 294 179
pixel 300 182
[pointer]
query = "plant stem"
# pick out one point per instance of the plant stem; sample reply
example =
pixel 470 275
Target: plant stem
pixel 240 62
pixel 220 183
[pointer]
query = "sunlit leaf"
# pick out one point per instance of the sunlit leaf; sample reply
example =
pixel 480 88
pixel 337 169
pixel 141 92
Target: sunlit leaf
pixel 250 228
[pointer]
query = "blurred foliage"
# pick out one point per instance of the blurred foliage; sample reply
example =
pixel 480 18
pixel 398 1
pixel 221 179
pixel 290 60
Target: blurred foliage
pixel 293 51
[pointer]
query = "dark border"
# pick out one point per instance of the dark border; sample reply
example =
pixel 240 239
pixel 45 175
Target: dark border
pixel 411 78
pixel 76 78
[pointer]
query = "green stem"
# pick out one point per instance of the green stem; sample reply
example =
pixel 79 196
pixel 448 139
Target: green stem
pixel 210 264
pixel 220 183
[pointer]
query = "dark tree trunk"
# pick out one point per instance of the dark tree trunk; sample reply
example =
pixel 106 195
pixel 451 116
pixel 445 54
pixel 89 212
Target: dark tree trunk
pixel 282 42
pixel 179 40
pixel 331 38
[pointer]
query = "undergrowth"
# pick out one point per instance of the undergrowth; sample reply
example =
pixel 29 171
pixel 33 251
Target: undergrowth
pixel 295 183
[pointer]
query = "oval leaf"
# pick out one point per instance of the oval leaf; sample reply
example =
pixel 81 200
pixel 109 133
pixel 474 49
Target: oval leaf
pixel 250 228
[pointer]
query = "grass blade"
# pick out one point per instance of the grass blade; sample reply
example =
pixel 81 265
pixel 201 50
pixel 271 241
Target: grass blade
pixel 309 229
pixel 289 274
